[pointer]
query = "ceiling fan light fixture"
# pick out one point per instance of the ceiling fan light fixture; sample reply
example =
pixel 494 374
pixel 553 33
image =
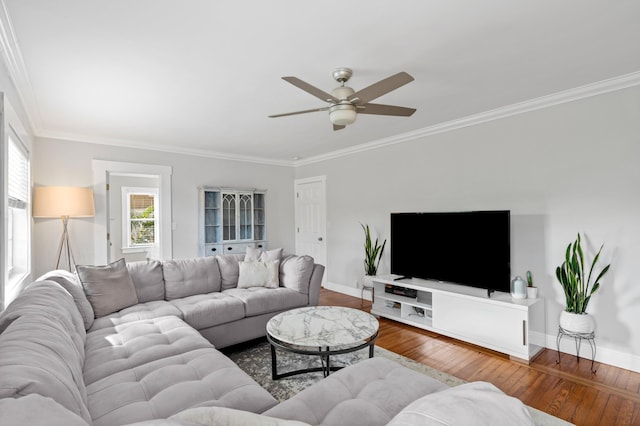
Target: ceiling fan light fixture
pixel 343 114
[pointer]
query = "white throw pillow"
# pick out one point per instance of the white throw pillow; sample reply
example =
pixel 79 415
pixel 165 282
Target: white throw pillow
pixel 475 403
pixel 259 274
pixel 255 254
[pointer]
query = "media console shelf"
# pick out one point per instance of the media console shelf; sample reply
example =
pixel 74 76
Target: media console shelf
pixel 511 326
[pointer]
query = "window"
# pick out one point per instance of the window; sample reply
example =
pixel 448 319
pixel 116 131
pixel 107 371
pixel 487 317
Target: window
pixel 140 218
pixel 17 230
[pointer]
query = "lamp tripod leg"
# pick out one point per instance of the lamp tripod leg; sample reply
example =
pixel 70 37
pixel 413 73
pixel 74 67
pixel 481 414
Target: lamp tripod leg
pixel 64 241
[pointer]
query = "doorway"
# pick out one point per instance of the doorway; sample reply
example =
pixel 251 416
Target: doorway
pixel 109 177
pixel 311 219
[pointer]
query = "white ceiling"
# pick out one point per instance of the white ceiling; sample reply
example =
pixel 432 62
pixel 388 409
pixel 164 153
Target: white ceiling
pixel 201 76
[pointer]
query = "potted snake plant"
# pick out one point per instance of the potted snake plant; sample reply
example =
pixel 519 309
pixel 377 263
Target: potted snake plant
pixel 575 277
pixel 372 255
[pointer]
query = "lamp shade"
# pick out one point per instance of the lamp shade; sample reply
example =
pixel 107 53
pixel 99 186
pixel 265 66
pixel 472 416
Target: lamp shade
pixel 59 201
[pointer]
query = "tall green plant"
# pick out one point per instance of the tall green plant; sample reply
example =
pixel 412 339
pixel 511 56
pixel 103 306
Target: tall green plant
pixel 571 275
pixel 372 252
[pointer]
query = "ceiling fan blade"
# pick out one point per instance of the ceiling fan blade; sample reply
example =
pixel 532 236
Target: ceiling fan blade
pixel 380 88
pixel 338 127
pixel 380 109
pixel 299 112
pixel 320 94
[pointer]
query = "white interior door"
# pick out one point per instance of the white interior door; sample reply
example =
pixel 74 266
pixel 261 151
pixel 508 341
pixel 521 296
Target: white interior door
pixel 311 221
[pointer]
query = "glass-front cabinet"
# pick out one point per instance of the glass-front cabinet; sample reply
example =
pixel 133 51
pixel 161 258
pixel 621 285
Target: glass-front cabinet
pixel 231 220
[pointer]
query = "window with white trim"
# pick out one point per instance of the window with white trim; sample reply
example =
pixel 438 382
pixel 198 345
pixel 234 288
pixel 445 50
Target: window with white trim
pixel 17 230
pixel 139 218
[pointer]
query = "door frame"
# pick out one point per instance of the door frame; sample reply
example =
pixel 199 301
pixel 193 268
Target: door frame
pixel 101 171
pixel 321 179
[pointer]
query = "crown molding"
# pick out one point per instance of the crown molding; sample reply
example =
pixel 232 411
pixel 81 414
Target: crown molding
pixel 581 92
pixel 12 56
pixel 126 143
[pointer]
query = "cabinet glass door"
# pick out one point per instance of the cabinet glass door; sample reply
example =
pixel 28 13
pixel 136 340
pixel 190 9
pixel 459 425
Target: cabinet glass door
pixel 245 204
pixel 229 217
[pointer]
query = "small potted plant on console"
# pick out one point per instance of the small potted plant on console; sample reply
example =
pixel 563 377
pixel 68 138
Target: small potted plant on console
pixel 575 277
pixel 532 291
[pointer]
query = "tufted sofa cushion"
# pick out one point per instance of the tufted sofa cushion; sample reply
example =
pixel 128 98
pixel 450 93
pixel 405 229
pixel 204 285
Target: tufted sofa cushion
pixel 72 284
pixel 111 350
pixel 51 300
pixel 148 280
pixel 38 356
pixel 260 300
pixel 371 392
pixel 155 368
pixel 37 410
pixel 186 277
pixel 149 310
pixel 207 310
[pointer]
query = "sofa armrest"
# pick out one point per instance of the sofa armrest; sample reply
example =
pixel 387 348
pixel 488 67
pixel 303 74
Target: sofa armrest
pixel 315 283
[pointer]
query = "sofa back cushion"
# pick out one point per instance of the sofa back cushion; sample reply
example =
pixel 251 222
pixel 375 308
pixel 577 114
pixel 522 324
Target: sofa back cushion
pixel 48 299
pixel 38 356
pixel 148 280
pixel 186 277
pixel 295 272
pixel 37 410
pixel 108 287
pixel 72 284
pixel 229 269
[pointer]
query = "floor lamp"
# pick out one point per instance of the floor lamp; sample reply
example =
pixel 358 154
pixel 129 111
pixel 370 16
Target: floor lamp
pixel 63 202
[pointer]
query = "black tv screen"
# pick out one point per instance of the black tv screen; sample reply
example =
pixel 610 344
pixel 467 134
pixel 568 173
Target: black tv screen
pixel 469 248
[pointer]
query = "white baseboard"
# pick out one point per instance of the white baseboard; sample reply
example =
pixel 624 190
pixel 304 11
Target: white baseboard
pixel 349 291
pixel 604 355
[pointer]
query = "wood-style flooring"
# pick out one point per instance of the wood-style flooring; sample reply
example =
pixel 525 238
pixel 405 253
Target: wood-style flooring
pixel 568 390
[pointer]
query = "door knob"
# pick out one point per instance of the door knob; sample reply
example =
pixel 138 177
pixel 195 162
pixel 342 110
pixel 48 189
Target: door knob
pixel 319 238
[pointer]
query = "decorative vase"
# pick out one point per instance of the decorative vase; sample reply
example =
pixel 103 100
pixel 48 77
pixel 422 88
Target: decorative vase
pixel 532 292
pixel 577 323
pixel 518 287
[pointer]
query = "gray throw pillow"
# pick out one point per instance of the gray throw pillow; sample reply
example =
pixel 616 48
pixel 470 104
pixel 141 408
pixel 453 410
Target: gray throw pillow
pixel 108 288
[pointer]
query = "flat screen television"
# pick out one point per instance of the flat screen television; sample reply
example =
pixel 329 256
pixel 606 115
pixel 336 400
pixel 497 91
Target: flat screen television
pixel 469 248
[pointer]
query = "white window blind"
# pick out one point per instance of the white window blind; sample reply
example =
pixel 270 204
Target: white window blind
pixel 18 168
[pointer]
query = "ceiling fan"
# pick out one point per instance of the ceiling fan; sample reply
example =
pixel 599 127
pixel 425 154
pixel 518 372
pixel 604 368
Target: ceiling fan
pixel 345 103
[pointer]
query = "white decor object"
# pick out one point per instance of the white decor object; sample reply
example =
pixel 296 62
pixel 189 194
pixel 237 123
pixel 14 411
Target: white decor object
pixel 577 323
pixel 518 287
pixel 532 292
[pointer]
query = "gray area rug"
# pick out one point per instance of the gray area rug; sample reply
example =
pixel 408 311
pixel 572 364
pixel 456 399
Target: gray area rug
pixel 255 359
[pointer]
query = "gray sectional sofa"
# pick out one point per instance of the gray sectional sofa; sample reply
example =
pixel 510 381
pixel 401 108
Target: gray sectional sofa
pixel 136 344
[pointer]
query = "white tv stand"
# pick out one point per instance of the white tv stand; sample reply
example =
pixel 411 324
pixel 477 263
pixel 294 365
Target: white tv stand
pixel 499 322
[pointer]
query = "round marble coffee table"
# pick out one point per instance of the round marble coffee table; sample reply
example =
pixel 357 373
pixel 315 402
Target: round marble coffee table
pixel 322 331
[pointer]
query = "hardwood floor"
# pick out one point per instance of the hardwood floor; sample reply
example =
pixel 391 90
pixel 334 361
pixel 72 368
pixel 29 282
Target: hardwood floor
pixel 567 390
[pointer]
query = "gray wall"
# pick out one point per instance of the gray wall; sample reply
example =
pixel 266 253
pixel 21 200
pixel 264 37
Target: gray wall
pixel 59 162
pixel 560 170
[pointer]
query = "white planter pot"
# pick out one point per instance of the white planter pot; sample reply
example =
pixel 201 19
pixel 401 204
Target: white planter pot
pixel 367 281
pixel 532 292
pixel 576 323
